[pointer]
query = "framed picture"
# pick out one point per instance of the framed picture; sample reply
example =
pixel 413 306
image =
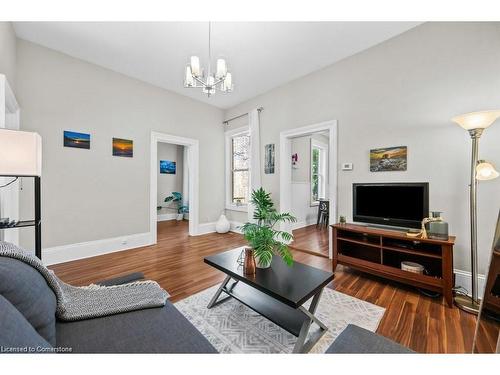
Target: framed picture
pixel 76 140
pixel 167 166
pixel 269 159
pixel 123 147
pixel 388 159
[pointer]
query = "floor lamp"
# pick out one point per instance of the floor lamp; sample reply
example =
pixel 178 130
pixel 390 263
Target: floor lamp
pixel 475 123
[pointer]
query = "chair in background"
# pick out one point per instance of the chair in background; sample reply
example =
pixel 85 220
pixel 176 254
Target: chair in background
pixel 323 213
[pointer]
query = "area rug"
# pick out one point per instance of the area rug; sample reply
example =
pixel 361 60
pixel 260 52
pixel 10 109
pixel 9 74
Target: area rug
pixel 231 327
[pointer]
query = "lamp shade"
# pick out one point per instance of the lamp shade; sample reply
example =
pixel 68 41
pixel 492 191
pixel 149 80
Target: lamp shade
pixel 20 153
pixel 485 171
pixel 476 120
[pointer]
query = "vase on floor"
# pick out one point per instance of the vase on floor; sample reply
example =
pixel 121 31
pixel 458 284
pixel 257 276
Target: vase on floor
pixel 222 225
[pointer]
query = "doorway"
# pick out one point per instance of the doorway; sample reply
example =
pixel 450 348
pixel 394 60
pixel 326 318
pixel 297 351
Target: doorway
pixel 308 183
pixel 174 169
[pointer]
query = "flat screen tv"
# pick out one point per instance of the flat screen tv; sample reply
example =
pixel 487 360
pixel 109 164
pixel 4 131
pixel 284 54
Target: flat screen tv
pixel 394 204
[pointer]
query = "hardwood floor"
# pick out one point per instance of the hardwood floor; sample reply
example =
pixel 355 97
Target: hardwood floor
pixel 424 324
pixel 311 239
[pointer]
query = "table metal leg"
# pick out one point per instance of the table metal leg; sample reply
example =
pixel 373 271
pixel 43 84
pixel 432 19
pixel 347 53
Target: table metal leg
pixel 214 299
pixel 301 346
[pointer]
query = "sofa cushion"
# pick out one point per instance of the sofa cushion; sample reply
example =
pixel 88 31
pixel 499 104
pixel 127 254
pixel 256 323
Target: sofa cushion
pixel 26 289
pixel 358 340
pixel 17 335
pixel 155 330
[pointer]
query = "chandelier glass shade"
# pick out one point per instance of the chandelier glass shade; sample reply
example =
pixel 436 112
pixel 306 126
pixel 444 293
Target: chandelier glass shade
pixel 209 82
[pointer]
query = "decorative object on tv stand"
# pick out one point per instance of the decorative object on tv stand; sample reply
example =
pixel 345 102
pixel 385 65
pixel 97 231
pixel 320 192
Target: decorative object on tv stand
pixel 342 220
pixel 437 228
pixel 412 267
pixel 21 156
pixel 388 159
pixel 269 159
pixel 176 198
pixel 209 82
pixel 222 225
pixel 475 123
pixel 123 147
pixel 261 235
pixel 76 140
pixel 433 227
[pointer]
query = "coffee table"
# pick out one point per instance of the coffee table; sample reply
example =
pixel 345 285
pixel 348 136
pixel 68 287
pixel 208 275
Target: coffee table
pixel 277 293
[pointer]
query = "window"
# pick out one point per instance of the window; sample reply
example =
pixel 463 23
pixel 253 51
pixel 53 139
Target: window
pixel 237 169
pixel 319 158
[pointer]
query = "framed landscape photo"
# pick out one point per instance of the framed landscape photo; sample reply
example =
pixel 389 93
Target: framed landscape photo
pixel 76 140
pixel 123 147
pixel 388 159
pixel 167 167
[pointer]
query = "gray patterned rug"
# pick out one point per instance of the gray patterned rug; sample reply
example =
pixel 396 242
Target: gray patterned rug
pixel 231 327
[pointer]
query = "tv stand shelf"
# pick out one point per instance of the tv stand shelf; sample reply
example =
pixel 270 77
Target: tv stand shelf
pixel 381 251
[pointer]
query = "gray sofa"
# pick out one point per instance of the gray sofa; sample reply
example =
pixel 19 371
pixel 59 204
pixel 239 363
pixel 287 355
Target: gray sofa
pixel 28 322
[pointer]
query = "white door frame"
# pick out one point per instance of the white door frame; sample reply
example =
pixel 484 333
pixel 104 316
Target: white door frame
pixel 192 146
pixel 286 169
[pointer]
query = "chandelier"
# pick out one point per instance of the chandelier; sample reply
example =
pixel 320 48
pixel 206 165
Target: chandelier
pixel 208 81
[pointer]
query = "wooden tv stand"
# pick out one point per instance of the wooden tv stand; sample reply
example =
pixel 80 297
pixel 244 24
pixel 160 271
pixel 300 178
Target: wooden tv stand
pixel 380 252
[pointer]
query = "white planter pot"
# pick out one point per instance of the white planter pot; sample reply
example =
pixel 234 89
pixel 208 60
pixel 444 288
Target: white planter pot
pixel 263 265
pixel 179 217
pixel 222 225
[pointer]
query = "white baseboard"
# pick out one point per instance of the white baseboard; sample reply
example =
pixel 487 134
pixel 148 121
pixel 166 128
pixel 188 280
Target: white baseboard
pixel 66 253
pixel 205 228
pixel 235 226
pixel 165 217
pixel 463 279
pixel 302 224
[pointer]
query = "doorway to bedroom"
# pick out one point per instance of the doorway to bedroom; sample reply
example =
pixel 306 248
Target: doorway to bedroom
pixel 173 187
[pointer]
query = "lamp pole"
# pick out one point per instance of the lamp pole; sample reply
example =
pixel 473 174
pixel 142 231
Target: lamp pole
pixel 475 123
pixel 465 303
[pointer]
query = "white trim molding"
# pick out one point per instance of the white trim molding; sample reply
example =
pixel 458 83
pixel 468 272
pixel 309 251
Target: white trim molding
pixel 166 217
pixel 193 157
pixel 66 253
pixel 464 280
pixel 285 169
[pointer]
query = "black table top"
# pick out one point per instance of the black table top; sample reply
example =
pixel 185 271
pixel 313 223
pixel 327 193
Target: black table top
pixel 291 285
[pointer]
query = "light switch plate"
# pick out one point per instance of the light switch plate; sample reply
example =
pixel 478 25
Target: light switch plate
pixel 347 166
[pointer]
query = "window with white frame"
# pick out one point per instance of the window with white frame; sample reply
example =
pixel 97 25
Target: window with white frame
pixel 237 169
pixel 319 157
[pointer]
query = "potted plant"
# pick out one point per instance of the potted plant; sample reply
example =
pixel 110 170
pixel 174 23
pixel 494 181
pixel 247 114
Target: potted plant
pixel 261 235
pixel 176 198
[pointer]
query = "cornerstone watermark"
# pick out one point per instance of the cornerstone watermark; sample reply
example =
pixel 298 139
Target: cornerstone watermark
pixel 35 349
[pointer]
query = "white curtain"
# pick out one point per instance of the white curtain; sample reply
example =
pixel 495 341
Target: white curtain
pixel 255 167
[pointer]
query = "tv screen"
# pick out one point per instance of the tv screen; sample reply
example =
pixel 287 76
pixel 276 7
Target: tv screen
pixel 396 204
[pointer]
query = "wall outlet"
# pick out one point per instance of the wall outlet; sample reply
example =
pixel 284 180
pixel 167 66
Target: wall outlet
pixel 347 166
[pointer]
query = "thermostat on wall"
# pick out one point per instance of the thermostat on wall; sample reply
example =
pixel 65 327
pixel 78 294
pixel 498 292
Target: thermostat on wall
pixel 347 166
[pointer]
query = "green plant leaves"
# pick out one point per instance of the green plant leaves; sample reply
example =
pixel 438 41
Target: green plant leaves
pixel 261 235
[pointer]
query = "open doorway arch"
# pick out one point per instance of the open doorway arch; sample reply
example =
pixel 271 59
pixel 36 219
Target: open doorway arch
pixel 192 146
pixel 286 170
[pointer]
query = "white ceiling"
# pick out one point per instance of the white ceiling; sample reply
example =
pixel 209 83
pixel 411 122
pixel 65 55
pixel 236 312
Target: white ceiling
pixel 260 55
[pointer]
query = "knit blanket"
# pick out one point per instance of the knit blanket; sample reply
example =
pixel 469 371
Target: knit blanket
pixel 93 301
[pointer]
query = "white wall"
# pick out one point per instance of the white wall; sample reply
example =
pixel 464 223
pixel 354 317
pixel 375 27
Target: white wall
pixel 167 183
pixel 404 92
pixel 89 194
